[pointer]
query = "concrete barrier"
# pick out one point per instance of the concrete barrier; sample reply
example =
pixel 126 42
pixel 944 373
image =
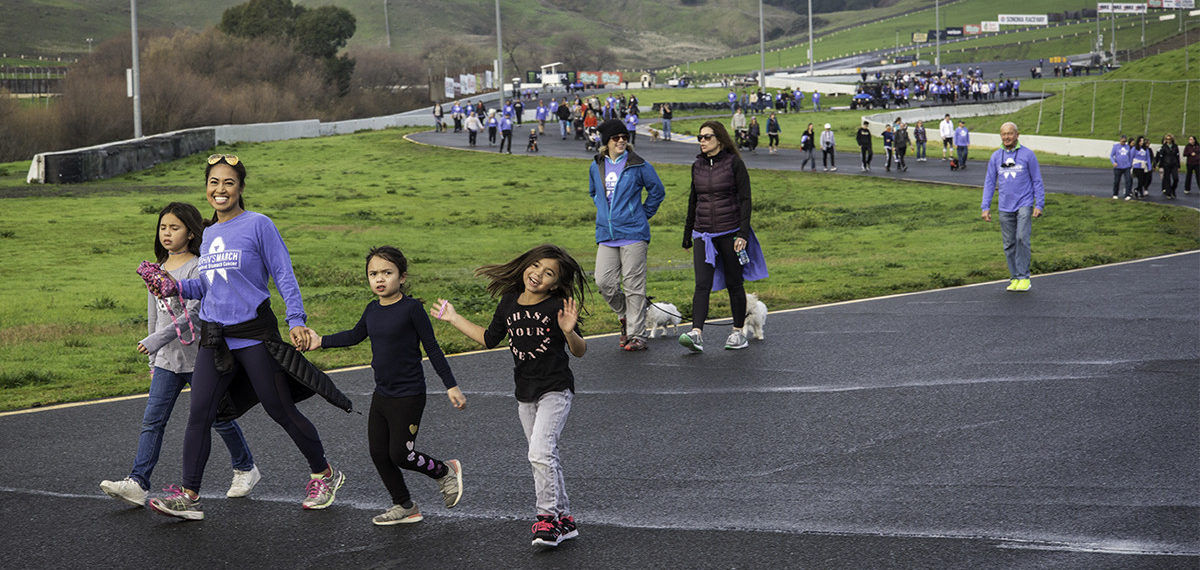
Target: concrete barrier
pixel 113 159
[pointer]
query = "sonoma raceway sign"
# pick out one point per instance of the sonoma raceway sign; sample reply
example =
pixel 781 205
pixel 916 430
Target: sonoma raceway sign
pixel 1023 19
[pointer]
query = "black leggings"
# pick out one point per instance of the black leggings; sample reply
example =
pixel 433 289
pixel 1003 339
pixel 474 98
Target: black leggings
pixel 392 426
pixel 273 388
pixel 704 280
pixel 1191 172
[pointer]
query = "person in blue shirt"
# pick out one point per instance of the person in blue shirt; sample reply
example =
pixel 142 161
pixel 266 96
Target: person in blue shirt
pixel 616 179
pixel 1121 157
pixel 962 140
pixel 1013 173
pixel 506 129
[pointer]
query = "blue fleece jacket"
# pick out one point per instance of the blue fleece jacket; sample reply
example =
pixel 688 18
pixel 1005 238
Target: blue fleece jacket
pixel 625 216
pixel 1019 183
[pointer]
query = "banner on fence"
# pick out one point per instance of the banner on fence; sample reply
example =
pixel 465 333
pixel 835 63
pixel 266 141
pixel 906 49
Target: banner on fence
pixel 989 26
pixel 971 30
pixel 1120 8
pixel 600 77
pixel 449 91
pixel 1173 4
pixel 1023 19
pixel 920 37
pixel 487 80
pixel 952 32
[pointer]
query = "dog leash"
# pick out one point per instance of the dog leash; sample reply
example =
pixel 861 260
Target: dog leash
pixel 650 301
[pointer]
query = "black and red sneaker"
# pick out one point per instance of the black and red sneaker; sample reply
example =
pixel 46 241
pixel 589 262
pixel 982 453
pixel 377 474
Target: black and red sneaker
pixel 567 528
pixel 546 532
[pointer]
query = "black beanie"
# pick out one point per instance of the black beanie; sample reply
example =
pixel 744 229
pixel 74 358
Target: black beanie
pixel 610 129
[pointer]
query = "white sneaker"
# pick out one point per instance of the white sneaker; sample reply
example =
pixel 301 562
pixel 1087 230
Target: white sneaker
pixel 834 169
pixel 736 341
pixel 243 482
pixel 126 490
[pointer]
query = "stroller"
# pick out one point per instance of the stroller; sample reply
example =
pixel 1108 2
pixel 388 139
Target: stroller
pixel 593 139
pixel 742 139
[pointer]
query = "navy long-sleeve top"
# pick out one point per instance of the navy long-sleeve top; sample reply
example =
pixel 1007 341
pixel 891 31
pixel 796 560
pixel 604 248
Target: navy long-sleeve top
pixel 397 331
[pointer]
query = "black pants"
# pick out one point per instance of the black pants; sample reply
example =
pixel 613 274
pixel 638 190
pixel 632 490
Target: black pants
pixel 900 152
pixel 471 137
pixel 491 135
pixel 273 388
pixel 1191 172
pixel 867 154
pixel 772 140
pixel 1170 181
pixel 505 138
pixel 704 280
pixel 1120 174
pixel 392 426
pixel 827 156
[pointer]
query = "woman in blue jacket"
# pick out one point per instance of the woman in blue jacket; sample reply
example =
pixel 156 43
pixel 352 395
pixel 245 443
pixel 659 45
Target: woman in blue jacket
pixel 615 182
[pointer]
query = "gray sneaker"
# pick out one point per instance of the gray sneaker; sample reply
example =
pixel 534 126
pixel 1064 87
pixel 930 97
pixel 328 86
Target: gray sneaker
pixel 126 490
pixel 321 490
pixel 736 341
pixel 451 483
pixel 178 504
pixel 398 515
pixel 692 341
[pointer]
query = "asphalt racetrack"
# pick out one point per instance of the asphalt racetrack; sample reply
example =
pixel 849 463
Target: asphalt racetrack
pixel 957 428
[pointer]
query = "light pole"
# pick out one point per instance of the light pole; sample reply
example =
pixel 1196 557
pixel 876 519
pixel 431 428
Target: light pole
pixel 137 91
pixel 810 41
pixel 387 26
pixel 762 54
pixel 937 37
pixel 499 57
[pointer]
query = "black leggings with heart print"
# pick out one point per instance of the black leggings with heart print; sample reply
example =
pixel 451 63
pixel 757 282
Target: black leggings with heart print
pixel 392 426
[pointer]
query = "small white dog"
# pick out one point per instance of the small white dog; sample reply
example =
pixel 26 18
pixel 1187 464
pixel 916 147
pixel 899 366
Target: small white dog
pixel 756 316
pixel 660 316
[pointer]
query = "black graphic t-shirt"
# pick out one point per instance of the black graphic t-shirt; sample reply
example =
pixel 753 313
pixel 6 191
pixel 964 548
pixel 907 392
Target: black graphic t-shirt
pixel 540 360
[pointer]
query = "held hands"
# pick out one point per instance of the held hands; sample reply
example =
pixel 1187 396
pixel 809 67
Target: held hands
pixel 457 399
pixel 301 337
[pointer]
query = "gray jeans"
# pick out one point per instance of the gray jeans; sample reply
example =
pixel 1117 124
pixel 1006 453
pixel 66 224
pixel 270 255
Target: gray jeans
pixel 621 278
pixel 543 422
pixel 1015 230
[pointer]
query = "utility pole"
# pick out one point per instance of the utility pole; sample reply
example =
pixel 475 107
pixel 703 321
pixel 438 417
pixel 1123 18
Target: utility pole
pixel 137 91
pixel 810 41
pixel 937 37
pixel 387 26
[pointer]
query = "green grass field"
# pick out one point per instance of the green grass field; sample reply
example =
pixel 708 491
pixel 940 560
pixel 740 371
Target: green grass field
pixel 74 309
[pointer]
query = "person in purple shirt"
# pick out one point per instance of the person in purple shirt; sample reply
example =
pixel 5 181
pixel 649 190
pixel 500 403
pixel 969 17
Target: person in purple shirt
pixel 506 129
pixel 1121 157
pixel 240 253
pixel 962 141
pixel 1013 173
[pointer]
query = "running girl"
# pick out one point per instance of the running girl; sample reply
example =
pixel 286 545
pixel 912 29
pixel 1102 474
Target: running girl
pixel 176 249
pixel 398 327
pixel 541 293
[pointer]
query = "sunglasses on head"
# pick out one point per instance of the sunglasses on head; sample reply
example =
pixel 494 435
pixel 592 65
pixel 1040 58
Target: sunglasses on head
pixel 703 138
pixel 230 159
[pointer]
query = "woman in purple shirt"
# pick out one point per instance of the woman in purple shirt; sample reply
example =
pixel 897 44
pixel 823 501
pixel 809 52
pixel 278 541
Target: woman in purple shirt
pixel 240 340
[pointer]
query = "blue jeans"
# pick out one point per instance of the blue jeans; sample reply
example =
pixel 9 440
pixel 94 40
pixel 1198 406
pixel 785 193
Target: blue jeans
pixel 1120 174
pixel 666 129
pixel 164 390
pixel 564 128
pixel 543 422
pixel 920 150
pixel 1015 229
pixel 961 151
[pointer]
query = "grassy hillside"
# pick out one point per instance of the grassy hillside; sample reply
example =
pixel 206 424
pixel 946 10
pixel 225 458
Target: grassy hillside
pixel 1165 105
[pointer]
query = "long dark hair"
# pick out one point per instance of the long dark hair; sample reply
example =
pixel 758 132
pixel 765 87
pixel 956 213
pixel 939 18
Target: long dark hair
pixel 722 136
pixel 394 255
pixel 240 169
pixel 506 278
pixel 190 216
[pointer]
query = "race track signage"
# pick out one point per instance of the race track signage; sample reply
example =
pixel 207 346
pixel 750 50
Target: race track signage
pixel 1023 19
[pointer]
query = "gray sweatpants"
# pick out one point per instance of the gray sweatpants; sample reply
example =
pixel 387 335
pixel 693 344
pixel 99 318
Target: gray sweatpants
pixel 621 278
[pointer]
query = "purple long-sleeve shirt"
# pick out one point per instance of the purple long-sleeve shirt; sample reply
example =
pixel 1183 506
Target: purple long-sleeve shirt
pixel 237 258
pixel 1017 178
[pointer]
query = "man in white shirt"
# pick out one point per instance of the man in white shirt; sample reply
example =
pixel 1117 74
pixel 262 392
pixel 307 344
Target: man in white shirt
pixel 946 128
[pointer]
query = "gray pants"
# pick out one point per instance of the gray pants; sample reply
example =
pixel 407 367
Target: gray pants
pixel 621 278
pixel 1015 230
pixel 543 422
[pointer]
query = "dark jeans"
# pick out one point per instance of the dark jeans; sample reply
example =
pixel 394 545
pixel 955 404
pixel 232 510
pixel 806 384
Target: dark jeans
pixel 1170 181
pixel 867 154
pixel 1191 172
pixel 491 135
pixel 704 280
pixel 273 388
pixel 827 156
pixel 900 151
pixel 392 426
pixel 1120 174
pixel 505 139
pixel 471 137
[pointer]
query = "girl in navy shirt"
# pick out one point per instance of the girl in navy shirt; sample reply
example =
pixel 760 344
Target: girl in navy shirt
pixel 398 327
